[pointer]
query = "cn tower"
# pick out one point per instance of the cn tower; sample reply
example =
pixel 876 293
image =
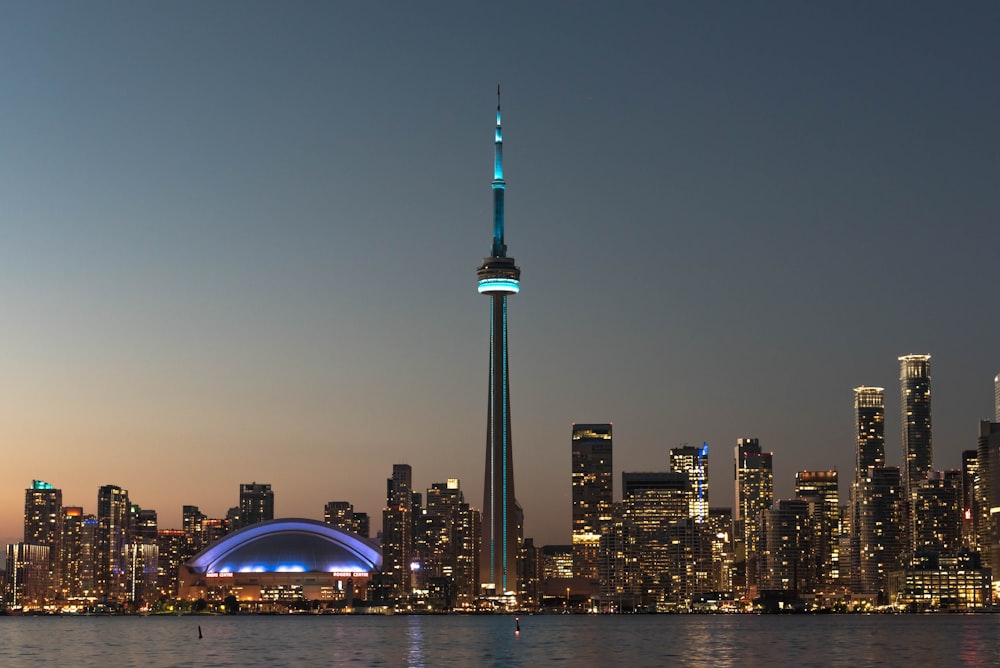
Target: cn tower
pixel 502 516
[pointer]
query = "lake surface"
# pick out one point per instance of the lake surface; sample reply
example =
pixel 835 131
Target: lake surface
pixel 550 640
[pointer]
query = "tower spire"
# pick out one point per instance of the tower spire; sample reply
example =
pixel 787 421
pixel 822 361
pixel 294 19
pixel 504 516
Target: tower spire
pixel 499 247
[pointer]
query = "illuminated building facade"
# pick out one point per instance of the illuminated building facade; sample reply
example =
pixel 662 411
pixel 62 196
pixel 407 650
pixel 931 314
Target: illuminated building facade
pixel 785 547
pixel 821 490
pixel 280 562
pixel 869 422
pixel 754 495
pixel 869 427
pixel 988 489
pixel 651 503
pixel 397 531
pixel 694 462
pixel 171 548
pixel 931 583
pixel 43 524
pixel 499 278
pixel 592 495
pixel 880 527
pixel 915 398
pixel 256 503
pixel 112 535
pixel 937 520
pixel 28 585
pixel 76 556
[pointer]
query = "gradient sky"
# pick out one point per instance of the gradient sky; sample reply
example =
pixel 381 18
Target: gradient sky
pixel 238 241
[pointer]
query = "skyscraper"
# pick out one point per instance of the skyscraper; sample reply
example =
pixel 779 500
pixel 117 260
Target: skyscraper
pixel 397 530
pixel 869 421
pixel 915 399
pixel 694 462
pixel 43 521
pixel 880 533
pixel 821 490
pixel 499 277
pixel 111 537
pixel 754 495
pixel 592 495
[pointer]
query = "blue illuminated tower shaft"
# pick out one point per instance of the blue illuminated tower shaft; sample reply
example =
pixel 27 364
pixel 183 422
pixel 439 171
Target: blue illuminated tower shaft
pixel 499 277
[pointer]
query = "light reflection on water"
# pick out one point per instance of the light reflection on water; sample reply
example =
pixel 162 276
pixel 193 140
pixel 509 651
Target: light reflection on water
pixel 424 641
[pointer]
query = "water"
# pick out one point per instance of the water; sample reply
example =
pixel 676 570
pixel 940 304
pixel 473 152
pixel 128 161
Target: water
pixel 626 641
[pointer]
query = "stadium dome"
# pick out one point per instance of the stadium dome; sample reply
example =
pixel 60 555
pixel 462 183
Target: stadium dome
pixel 288 546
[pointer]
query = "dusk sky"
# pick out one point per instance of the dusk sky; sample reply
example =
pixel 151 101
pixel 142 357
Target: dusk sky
pixel 238 241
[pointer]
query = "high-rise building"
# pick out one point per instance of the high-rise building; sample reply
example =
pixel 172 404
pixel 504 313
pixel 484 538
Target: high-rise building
pixel 27 585
pixel 592 495
pixel 915 397
pixel 111 538
pixel 821 490
pixel 43 520
pixel 880 528
pixel 869 421
pixel 694 462
pixel 256 503
pixel 754 495
pixel 937 518
pixel 785 547
pixel 988 490
pixel 971 506
pixel 652 502
pixel 498 278
pixel 76 556
pixel 397 531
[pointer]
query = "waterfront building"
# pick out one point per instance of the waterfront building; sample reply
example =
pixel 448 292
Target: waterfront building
pixel 27 585
pixel 43 520
pixel 397 532
pixel 720 528
pixel 880 528
pixel 754 494
pixel 112 535
pixel 592 495
pixel 499 278
pixel 141 571
pixel 445 546
pixel 786 546
pixel 171 548
pixel 988 489
pixel 915 404
pixel 651 503
pixel 937 519
pixel 256 503
pixel 821 490
pixel 76 556
pixel 929 583
pixel 144 524
pixel 694 462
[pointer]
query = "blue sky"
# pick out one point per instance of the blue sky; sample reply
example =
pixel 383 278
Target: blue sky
pixel 238 241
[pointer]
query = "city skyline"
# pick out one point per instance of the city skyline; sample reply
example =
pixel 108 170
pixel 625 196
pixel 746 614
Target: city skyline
pixel 731 217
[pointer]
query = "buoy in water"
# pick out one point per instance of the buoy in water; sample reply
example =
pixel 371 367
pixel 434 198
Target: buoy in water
pixel 517 626
pixel 199 632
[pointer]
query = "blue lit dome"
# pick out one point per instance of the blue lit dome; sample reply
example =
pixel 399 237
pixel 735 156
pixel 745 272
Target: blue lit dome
pixel 288 546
